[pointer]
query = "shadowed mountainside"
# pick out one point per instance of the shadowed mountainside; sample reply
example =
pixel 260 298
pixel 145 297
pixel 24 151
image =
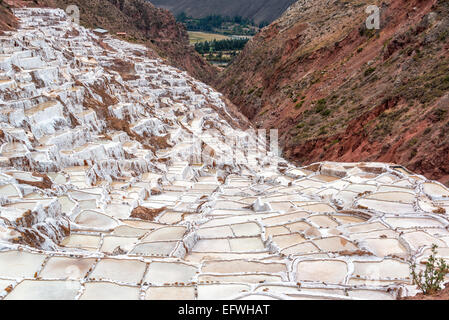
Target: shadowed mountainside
pixel 257 10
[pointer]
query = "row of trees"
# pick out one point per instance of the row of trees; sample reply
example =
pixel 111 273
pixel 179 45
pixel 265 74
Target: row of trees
pixel 213 22
pixel 220 45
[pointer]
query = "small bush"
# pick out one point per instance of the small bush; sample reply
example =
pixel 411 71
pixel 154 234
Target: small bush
pixel 320 105
pixel 429 281
pixel 412 142
pixel 369 71
pixel 326 112
pixel 299 105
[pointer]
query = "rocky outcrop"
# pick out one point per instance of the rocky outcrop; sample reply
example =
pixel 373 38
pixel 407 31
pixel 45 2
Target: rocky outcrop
pixel 338 91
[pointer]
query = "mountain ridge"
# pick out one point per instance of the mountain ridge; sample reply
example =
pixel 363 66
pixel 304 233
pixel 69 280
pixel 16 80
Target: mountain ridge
pixel 257 10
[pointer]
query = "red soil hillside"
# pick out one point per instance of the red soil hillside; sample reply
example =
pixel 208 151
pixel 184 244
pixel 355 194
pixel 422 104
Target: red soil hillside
pixel 7 19
pixel 338 91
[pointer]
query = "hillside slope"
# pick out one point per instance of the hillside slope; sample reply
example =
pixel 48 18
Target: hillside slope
pixel 7 21
pixel 257 10
pixel 338 91
pixel 143 23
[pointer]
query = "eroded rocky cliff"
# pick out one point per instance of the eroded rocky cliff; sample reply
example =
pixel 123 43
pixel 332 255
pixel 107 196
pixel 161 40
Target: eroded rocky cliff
pixel 338 91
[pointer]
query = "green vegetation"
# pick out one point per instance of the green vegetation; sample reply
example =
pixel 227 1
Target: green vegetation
pixel 197 36
pixel 218 39
pixel 220 45
pixel 440 114
pixel 365 32
pixel 220 51
pixel 412 142
pixel 219 24
pixel 386 122
pixel 426 87
pixel 321 108
pixel 369 71
pixel 429 281
pixel 299 105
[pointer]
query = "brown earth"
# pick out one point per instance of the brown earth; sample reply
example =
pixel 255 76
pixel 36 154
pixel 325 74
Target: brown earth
pixel 442 295
pixel 46 183
pixel 338 91
pixel 146 213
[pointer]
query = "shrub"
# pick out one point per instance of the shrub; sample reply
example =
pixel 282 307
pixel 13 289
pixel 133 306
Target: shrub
pixel 299 105
pixel 429 281
pixel 369 71
pixel 326 112
pixel 320 106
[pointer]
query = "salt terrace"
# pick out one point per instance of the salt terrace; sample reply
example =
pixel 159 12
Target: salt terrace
pixel 101 197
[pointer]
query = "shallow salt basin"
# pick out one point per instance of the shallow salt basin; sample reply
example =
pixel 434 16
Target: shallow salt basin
pixel 411 222
pixel 288 240
pixel 128 231
pixel 19 264
pixel 329 271
pixel 124 271
pixel 385 247
pixel 112 243
pixel 323 221
pixel 162 248
pixel 9 190
pixel 165 234
pixel 160 273
pixel 215 232
pixel 419 239
pixel 242 266
pixel 66 204
pixel 385 269
pixel 370 295
pixel 276 220
pixel 82 241
pixel 109 291
pixel 386 206
pixel 93 219
pixel 170 293
pixel 302 248
pixel 334 244
pixel 435 190
pixel 45 290
pixel 279 230
pixel 120 211
pixel 403 197
pixel 247 278
pixel 65 268
pixel 220 291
